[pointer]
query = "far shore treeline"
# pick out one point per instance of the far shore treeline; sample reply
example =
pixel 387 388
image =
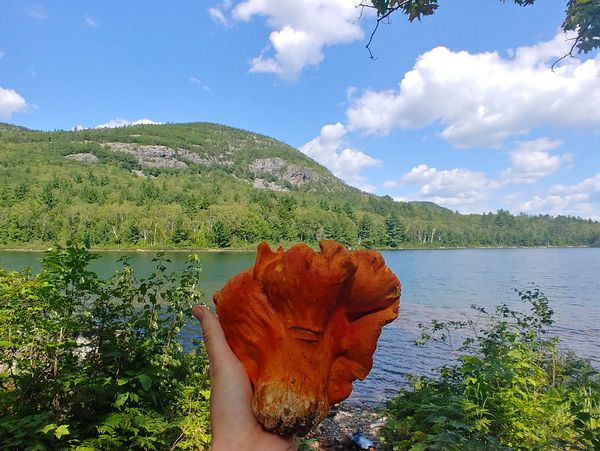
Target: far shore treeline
pixel 209 186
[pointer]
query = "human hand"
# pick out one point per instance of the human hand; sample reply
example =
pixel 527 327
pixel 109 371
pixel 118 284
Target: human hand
pixel 234 426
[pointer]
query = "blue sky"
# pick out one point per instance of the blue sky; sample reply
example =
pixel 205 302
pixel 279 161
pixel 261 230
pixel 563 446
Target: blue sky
pixel 461 109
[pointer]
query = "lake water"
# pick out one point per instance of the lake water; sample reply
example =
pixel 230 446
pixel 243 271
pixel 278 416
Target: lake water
pixel 436 284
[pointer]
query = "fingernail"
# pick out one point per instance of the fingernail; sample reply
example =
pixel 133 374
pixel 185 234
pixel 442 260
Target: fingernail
pixel 198 311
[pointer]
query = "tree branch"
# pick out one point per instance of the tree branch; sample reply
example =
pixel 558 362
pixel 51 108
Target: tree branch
pixel 379 19
pixel 576 40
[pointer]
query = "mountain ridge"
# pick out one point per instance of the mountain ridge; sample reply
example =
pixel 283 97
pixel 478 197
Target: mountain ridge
pixel 209 185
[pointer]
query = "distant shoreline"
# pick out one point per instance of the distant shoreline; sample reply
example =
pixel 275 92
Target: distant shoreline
pixel 253 249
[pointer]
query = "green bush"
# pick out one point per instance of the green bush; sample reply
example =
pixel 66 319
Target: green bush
pixel 512 388
pixel 87 363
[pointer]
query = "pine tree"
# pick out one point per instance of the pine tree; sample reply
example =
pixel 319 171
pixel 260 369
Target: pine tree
pixel 394 231
pixel 220 236
pixel 365 231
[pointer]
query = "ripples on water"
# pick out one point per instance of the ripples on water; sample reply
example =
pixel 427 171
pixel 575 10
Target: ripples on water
pixel 442 285
pixel 436 284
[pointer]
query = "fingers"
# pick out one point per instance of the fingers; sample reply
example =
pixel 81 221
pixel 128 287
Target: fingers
pixel 219 352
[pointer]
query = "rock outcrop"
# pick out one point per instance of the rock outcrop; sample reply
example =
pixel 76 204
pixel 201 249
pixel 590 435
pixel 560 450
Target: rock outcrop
pixel 265 184
pixel 278 167
pixel 165 157
pixel 276 172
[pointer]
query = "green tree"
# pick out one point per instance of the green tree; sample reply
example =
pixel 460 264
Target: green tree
pixel 21 191
pixel 131 234
pixel 581 17
pixel 179 234
pixel 394 231
pixel 366 231
pixel 47 196
pixel 220 235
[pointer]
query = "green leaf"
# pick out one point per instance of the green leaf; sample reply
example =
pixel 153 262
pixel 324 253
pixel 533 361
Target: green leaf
pixel 63 429
pixel 48 428
pixel 381 6
pixel 146 381
pixel 121 399
pixel 113 420
pixel 205 394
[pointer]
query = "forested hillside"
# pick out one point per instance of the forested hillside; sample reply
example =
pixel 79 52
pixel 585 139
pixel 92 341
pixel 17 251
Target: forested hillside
pixel 206 185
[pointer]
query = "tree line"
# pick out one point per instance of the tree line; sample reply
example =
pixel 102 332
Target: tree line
pixel 46 198
pixel 105 211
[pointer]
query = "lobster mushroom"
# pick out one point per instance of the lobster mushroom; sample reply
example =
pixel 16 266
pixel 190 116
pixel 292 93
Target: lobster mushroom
pixel 305 325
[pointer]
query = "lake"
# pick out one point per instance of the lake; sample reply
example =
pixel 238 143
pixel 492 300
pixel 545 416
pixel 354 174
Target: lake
pixel 436 284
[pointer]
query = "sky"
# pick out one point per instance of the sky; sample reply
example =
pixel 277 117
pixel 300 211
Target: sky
pixel 461 109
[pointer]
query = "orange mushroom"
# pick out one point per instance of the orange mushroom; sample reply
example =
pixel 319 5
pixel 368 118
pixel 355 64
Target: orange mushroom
pixel 305 326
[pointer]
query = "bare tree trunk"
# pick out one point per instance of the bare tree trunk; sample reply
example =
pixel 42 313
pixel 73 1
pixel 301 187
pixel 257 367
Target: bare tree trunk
pixel 115 232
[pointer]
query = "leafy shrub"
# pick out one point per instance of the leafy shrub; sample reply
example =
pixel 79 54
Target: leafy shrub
pixel 87 363
pixel 512 388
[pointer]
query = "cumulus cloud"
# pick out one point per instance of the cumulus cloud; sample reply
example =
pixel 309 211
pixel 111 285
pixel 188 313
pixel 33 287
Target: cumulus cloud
pixel 301 29
pixel 480 99
pixel 115 123
pixel 10 102
pixel 345 162
pixel 447 187
pixel 531 161
pixel 581 199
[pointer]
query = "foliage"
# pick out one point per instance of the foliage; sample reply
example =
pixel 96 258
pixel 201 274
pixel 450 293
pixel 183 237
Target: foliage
pixel 46 198
pixel 512 388
pixel 87 363
pixel 582 17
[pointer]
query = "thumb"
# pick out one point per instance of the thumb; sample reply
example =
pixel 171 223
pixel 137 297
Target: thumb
pixel 219 352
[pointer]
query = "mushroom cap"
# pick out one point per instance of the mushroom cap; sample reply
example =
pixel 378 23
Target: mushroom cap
pixel 305 325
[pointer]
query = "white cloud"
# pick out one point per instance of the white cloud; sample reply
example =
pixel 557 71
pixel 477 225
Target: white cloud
pixel 345 163
pixel 581 199
pixel 480 99
pixel 10 102
pixel 91 22
pixel 37 12
pixel 301 29
pixel 218 16
pixel 2 54
pixel 199 82
pixel 450 188
pixel 531 161
pixel 219 12
pixel 115 123
pixel 350 91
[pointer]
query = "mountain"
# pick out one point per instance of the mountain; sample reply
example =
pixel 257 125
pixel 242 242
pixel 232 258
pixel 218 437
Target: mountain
pixel 208 185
